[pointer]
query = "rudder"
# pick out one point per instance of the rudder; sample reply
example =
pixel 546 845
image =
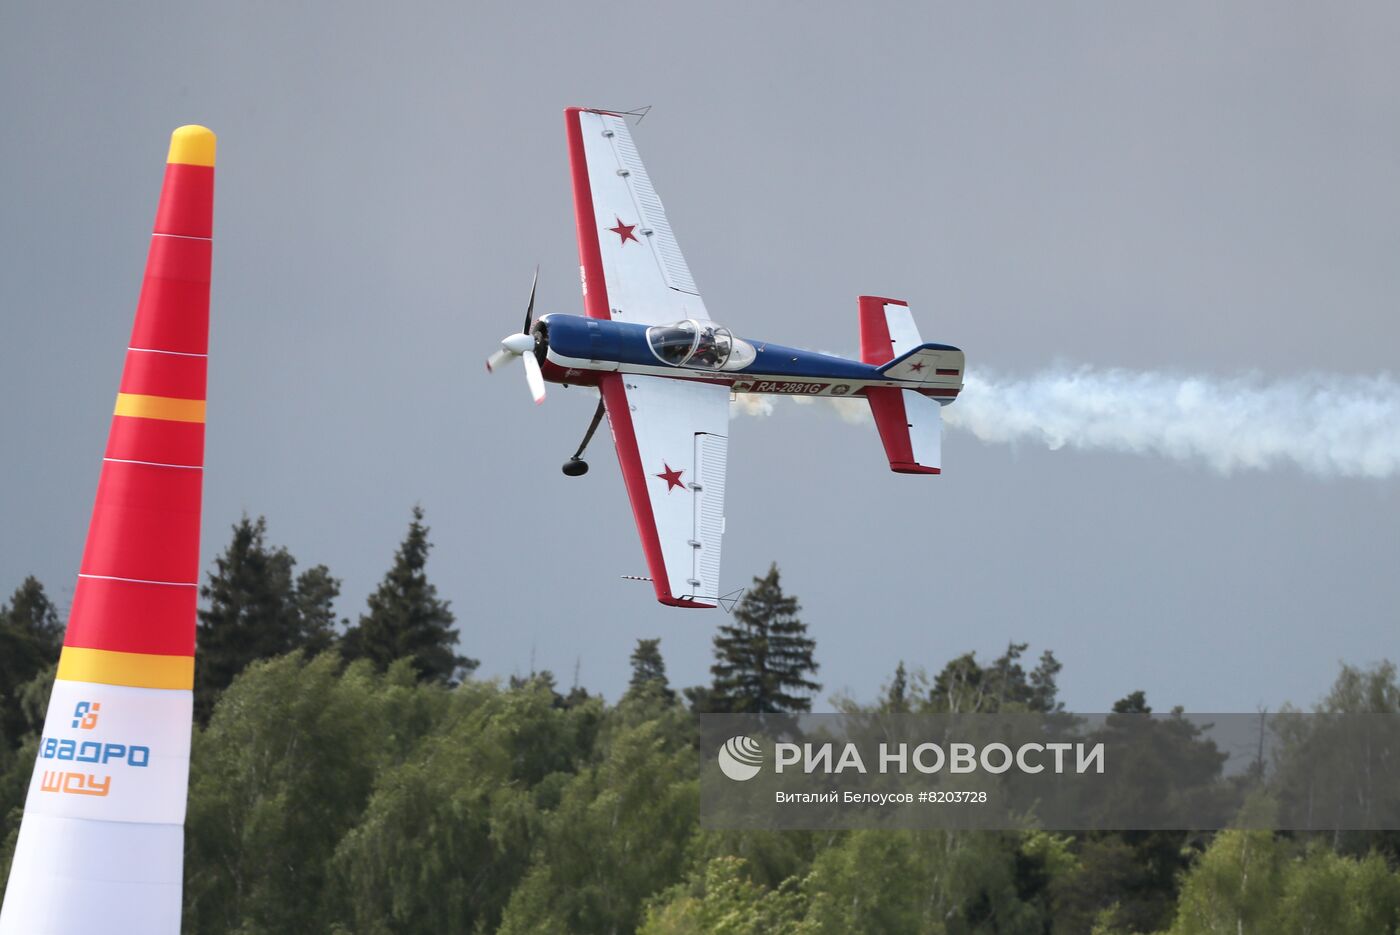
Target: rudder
pixel 887 329
pixel 910 423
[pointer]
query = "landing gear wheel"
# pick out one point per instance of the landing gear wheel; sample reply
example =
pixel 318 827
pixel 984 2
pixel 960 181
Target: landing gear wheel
pixel 576 466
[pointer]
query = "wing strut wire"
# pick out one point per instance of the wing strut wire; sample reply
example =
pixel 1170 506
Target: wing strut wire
pixel 638 112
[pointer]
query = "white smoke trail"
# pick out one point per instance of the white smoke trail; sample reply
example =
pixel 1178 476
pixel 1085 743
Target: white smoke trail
pixel 751 404
pixel 854 411
pixel 1329 426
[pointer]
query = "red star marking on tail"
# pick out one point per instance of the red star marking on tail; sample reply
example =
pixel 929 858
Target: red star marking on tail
pixel 624 231
pixel 917 366
pixel 671 476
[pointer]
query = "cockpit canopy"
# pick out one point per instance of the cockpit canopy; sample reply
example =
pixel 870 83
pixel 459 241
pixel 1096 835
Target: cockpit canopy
pixel 701 345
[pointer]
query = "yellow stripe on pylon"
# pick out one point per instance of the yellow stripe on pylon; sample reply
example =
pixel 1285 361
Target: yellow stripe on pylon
pixel 138 670
pixel 159 407
pixel 192 145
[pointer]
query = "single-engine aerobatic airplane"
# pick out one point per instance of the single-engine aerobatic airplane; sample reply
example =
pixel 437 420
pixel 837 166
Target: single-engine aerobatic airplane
pixel 665 371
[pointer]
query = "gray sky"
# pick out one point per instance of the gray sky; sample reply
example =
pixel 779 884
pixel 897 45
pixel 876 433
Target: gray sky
pixel 1198 187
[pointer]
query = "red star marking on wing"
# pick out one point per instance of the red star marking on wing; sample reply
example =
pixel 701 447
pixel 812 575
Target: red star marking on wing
pixel 917 366
pixel 671 476
pixel 624 231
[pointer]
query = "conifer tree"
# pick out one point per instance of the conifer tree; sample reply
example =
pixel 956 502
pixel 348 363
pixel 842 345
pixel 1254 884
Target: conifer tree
pixel 700 699
pixel 256 610
pixel 896 700
pixel 965 686
pixel 30 639
pixel 249 612
pixel 1044 686
pixel 764 657
pixel 316 592
pixel 649 673
pixel 406 619
pixel 1132 703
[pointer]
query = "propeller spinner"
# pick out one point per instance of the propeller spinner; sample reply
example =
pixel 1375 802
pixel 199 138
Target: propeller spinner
pixel 522 346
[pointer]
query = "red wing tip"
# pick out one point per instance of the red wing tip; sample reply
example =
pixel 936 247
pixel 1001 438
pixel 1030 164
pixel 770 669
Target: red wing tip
pixel 905 467
pixel 681 602
pixel 885 300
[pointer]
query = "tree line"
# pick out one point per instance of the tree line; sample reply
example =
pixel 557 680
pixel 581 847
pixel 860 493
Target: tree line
pixel 354 777
pixel 256 607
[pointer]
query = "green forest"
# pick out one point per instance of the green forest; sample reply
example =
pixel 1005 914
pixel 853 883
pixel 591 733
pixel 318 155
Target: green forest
pixel 355 777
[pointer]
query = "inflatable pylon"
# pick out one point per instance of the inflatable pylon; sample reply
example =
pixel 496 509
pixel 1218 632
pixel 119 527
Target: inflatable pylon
pixel 101 847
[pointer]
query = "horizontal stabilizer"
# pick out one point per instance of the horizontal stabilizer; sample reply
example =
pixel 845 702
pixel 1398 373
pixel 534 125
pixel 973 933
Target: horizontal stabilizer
pixel 911 426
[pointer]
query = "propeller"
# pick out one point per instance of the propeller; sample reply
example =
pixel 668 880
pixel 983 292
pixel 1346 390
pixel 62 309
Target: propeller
pixel 522 346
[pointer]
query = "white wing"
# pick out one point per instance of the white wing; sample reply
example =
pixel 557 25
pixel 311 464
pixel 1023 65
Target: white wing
pixel 672 441
pixel 631 265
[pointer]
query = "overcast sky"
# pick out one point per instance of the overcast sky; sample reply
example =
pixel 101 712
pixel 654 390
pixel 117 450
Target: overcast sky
pixel 1197 187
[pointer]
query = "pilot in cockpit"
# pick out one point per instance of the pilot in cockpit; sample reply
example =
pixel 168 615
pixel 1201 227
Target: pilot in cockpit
pixel 701 345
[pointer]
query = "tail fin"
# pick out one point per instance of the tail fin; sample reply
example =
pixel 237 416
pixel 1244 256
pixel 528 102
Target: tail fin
pixel 887 329
pixel 910 423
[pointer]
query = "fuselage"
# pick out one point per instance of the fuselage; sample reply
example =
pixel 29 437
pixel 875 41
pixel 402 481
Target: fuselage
pixel 574 350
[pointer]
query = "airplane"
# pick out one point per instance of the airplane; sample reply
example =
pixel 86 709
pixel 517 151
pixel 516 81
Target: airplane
pixel 665 372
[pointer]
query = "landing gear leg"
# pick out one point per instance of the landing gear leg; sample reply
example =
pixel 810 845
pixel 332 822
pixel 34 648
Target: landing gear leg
pixel 576 466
